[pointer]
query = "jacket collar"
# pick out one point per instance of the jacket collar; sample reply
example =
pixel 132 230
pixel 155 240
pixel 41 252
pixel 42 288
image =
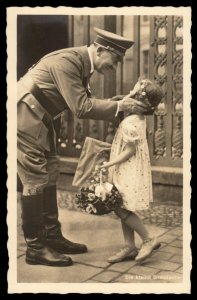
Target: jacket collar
pixel 91 61
pixel 83 51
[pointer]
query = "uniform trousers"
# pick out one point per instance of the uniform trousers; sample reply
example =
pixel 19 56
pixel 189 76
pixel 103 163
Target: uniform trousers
pixel 37 162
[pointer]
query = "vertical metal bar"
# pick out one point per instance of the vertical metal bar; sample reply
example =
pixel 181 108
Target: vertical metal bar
pixel 110 81
pixel 136 48
pixel 86 30
pixel 119 71
pixel 70 115
pixel 168 122
pixel 151 119
pixel 152 48
pixel 97 80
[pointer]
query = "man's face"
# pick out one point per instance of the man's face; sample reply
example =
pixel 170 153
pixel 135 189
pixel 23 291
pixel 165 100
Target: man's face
pixel 106 61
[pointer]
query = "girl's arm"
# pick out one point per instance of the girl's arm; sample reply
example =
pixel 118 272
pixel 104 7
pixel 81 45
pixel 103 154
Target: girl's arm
pixel 129 151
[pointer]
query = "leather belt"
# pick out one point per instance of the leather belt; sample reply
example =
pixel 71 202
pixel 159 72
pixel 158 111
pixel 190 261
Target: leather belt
pixel 44 101
pixel 48 123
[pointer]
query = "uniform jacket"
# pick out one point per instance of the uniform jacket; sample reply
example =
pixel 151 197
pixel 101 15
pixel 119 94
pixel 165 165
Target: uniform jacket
pixel 63 75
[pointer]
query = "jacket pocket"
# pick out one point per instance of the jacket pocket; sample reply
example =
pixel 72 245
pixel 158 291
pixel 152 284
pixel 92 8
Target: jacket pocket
pixel 29 118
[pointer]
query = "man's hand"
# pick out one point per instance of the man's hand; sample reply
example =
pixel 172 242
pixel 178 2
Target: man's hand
pixel 131 105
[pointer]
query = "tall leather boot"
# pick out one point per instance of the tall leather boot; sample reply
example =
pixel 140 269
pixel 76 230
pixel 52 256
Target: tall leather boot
pixel 54 237
pixel 32 224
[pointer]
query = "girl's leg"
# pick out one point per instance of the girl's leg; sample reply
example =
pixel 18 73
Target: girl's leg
pixel 128 235
pixel 129 251
pixel 133 222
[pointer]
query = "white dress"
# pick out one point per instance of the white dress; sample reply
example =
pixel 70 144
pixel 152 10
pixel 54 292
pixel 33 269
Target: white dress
pixel 133 177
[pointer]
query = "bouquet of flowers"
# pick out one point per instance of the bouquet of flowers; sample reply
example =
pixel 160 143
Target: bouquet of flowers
pixel 98 196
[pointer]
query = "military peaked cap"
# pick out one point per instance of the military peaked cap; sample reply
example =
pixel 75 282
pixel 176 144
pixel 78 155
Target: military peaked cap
pixel 112 41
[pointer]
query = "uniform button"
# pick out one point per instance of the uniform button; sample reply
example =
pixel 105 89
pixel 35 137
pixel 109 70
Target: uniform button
pixel 32 106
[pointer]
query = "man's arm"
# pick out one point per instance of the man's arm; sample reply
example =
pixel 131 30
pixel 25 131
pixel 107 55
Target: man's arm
pixel 66 73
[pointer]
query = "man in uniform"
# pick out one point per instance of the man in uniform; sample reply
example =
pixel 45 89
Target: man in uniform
pixel 57 82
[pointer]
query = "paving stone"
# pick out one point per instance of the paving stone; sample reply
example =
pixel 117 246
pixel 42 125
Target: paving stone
pixel 180 270
pixel 20 253
pixel 167 238
pixel 162 245
pixel 177 243
pixel 176 231
pixel 90 281
pixel 169 276
pixel 160 264
pixel 177 259
pixel 162 215
pixel 105 276
pixel 96 255
pixel 121 266
pixel 39 273
pixel 84 221
pixel 161 255
pixel 21 246
pixel 100 264
pixel 142 270
pixel 174 250
pixel 156 230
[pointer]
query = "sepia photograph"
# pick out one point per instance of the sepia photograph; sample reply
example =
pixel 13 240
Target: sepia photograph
pixel 99 121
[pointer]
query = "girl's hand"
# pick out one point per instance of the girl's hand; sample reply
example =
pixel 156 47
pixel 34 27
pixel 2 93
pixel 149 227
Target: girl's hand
pixel 104 166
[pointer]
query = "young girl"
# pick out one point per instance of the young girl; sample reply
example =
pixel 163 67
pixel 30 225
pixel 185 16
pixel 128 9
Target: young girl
pixel 130 172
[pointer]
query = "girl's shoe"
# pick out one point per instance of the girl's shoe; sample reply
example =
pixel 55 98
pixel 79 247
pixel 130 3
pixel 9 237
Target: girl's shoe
pixel 147 248
pixel 123 254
